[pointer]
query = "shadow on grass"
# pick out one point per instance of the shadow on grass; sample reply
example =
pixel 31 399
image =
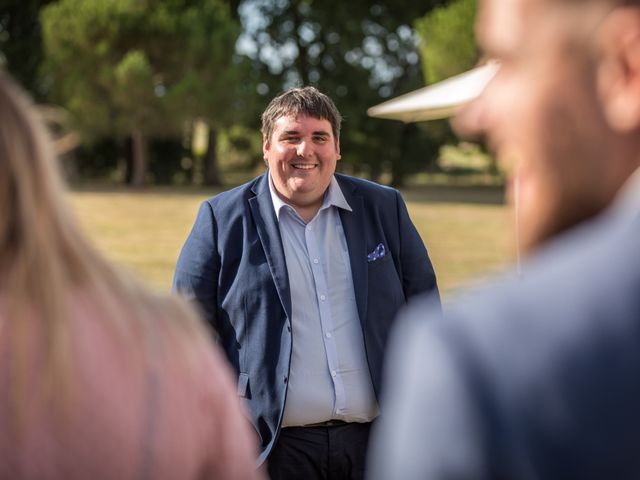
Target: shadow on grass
pixel 111 188
pixel 479 195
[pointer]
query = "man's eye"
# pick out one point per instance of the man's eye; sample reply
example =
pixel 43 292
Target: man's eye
pixel 291 139
pixel 320 139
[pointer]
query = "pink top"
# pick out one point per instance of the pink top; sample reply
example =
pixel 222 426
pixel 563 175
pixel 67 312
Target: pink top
pixel 177 419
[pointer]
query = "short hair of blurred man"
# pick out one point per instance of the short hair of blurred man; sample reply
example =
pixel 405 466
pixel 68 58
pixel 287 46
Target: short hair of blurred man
pixel 539 376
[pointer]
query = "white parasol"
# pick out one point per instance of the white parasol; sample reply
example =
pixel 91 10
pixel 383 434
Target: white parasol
pixel 439 100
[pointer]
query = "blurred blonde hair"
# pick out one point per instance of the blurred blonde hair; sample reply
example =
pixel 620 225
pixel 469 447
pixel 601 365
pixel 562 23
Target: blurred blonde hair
pixel 45 262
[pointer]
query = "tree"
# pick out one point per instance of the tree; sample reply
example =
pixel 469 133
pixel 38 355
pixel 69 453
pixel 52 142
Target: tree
pixel 447 47
pixel 132 68
pixel 447 42
pixel 359 52
pixel 21 42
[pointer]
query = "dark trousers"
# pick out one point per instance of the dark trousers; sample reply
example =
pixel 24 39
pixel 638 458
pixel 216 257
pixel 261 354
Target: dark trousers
pixel 336 452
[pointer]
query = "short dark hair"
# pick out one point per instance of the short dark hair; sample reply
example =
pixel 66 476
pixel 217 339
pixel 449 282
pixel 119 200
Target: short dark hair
pixel 308 101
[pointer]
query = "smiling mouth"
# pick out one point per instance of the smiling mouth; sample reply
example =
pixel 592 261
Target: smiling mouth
pixel 304 166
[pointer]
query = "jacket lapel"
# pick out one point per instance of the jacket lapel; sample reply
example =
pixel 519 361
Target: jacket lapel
pixel 267 226
pixel 353 225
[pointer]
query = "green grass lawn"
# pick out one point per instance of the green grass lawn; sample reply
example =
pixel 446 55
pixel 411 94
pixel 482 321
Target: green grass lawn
pixel 467 230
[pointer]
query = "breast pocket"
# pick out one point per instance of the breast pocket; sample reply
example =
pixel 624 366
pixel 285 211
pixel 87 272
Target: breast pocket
pixel 380 262
pixel 386 294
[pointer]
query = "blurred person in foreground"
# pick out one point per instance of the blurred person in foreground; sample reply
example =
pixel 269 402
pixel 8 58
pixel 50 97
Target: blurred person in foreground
pixel 539 377
pixel 301 272
pixel 99 379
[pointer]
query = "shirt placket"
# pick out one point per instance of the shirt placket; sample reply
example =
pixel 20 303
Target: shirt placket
pixel 316 257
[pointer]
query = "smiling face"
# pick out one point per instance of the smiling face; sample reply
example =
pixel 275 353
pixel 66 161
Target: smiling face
pixel 541 113
pixel 301 153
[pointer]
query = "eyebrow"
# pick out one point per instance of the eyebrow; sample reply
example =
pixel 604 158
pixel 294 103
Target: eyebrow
pixel 297 132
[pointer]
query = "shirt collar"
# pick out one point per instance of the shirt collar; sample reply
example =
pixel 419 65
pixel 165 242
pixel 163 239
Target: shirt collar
pixel 333 197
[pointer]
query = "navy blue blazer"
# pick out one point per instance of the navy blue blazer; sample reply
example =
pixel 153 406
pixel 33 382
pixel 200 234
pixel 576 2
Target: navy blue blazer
pixel 530 378
pixel 233 266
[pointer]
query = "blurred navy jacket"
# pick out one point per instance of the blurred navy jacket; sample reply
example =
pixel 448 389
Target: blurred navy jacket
pixel 532 378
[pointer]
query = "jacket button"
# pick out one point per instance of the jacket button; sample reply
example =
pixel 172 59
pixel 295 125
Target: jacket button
pixel 285 379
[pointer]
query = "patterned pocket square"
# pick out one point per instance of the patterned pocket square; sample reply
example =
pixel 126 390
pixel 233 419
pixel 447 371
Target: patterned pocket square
pixel 378 253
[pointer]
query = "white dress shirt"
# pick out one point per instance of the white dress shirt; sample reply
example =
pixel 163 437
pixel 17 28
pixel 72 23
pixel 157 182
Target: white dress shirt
pixel 329 377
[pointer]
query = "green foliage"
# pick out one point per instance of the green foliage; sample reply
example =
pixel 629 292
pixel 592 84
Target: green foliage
pixel 142 69
pixel 360 52
pixel 447 40
pixel 96 161
pixel 238 147
pixel 466 158
pixel 154 63
pixel 21 42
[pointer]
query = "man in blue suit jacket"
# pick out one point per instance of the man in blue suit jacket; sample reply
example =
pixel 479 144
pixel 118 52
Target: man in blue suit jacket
pixel 538 377
pixel 301 272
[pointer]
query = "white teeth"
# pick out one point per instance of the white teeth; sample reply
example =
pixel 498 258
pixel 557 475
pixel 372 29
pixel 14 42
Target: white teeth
pixel 304 166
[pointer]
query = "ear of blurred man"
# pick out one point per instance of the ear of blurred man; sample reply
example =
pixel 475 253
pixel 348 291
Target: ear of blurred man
pixel 619 71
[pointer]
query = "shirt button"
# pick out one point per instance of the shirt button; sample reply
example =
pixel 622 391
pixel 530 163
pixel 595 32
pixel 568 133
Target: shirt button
pixel 322 297
pixel 328 334
pixel 315 260
pixel 333 373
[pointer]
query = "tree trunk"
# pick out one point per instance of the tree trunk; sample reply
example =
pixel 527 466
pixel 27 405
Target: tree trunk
pixel 375 171
pixel 140 151
pixel 398 167
pixel 397 174
pixel 211 171
pixel 302 60
pixel 125 162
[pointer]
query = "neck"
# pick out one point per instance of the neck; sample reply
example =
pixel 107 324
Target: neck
pixel 307 212
pixel 305 206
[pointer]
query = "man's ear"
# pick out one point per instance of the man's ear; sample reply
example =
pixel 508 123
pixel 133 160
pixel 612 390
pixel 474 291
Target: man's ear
pixel 266 145
pixel 338 149
pixel 619 69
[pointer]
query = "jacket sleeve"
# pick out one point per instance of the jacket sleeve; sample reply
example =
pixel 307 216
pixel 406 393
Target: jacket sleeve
pixel 416 271
pixel 196 274
pixel 431 428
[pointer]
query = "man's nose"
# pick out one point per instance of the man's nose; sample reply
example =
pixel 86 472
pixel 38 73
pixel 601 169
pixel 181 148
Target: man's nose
pixel 471 120
pixel 304 148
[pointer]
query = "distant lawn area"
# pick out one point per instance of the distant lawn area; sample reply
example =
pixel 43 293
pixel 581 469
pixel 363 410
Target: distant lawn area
pixel 468 231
